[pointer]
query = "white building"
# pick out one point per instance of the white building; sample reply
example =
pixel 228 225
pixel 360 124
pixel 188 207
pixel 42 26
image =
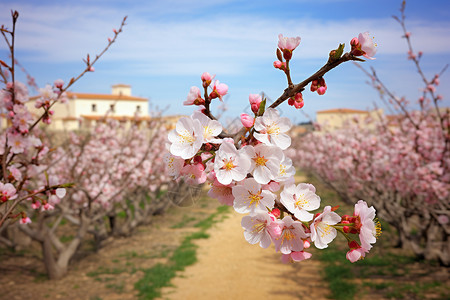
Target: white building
pixel 84 110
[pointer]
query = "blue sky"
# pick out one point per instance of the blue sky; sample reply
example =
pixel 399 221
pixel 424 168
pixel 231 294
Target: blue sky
pixel 166 46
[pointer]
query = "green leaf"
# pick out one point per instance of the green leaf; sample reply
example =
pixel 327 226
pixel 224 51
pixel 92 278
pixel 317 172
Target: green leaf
pixel 262 107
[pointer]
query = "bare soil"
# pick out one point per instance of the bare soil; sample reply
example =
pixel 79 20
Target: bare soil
pixel 230 268
pixel 227 268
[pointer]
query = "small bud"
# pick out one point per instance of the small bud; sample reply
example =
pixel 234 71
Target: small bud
pixel 279 55
pixel 276 212
pixel 247 120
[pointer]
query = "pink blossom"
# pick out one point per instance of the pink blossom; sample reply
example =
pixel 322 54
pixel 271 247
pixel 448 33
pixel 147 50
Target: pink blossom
pixel 223 193
pixel 186 138
pixel 174 164
pixel 299 200
pixel 194 174
pixel 47 206
pixel 7 192
pixel 356 252
pixel 17 142
pixel 365 224
pixel 219 90
pixel 230 164
pixel 322 232
pixel 287 45
pixel 36 205
pixel 271 129
pixel 295 256
pixel 279 65
pixel 211 128
pixel 255 102
pixel 247 120
pixel 58 83
pixel 257 228
pixel 25 220
pixel 206 79
pixel 291 237
pixel 265 161
pixel 194 97
pixel 15 172
pixel 249 197
pixel 367 45
pixel 443 219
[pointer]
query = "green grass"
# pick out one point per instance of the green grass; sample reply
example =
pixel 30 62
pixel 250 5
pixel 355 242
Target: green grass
pixel 337 272
pixel 119 287
pixel 103 270
pixel 184 221
pixel 391 267
pixel 212 219
pixel 160 275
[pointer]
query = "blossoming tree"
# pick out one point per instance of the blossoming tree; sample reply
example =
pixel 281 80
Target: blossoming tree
pixel 400 164
pixel 111 171
pixel 248 169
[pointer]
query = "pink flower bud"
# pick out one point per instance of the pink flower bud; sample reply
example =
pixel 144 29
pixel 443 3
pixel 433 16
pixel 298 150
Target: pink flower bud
pixel 321 90
pixel 247 120
pixel 276 212
pixel 291 101
pixel 25 220
pixel 299 104
pixel 206 79
pixel 59 83
pixel 306 244
pixel 287 45
pixel 354 42
pixel 255 102
pixel 443 219
pixel 35 205
pixel 91 69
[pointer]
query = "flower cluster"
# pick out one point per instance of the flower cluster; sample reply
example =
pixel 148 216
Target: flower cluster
pixel 251 172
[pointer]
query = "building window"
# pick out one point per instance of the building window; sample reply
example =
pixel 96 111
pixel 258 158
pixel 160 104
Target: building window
pixel 138 108
pixel 112 108
pixel 94 107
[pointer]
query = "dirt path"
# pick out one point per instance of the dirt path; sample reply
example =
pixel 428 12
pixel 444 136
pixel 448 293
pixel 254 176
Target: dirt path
pixel 230 268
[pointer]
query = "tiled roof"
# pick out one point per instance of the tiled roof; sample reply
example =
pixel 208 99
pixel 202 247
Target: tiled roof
pixel 105 97
pixel 119 118
pixel 343 111
pixel 100 97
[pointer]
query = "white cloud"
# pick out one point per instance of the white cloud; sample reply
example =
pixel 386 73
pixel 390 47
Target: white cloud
pixel 62 33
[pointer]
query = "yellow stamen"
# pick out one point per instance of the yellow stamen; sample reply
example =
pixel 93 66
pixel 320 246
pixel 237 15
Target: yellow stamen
pixel 228 165
pixel 377 228
pixel 186 137
pixel 273 129
pixel 254 198
pixel 258 227
pixel 287 234
pixel 325 229
pixel 260 160
pixel 301 201
pixel 282 171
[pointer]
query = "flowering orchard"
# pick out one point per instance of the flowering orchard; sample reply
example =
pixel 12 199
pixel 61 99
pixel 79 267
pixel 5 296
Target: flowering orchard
pixel 102 182
pixel 402 166
pixel 249 170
